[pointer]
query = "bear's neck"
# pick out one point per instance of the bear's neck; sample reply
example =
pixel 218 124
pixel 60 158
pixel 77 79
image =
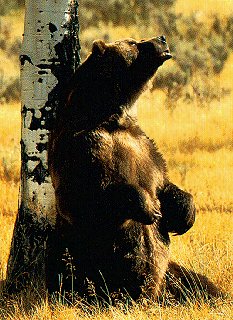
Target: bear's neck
pixel 92 102
pixel 81 115
pixel 121 121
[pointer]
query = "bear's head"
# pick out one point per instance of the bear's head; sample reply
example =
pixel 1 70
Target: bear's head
pixel 150 53
pixel 113 76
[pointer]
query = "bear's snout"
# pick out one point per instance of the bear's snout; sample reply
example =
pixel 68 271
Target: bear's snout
pixel 160 46
pixel 165 51
pixel 162 39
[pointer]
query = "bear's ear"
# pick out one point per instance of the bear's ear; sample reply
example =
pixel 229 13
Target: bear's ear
pixel 99 47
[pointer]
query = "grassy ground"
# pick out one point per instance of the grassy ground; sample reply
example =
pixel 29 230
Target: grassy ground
pixel 198 146
pixel 199 154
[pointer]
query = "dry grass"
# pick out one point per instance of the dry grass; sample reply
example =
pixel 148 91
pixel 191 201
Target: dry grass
pixel 12 26
pixel 198 146
pixel 210 6
pixel 44 311
pixel 9 175
pixel 199 159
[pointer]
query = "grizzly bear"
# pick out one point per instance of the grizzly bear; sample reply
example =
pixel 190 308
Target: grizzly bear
pixel 115 202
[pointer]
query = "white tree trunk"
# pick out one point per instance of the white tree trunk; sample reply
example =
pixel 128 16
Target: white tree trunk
pixel 48 59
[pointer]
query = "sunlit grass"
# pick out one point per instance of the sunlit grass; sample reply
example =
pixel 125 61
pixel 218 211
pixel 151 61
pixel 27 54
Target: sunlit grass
pixel 9 175
pixel 12 27
pixel 15 20
pixel 223 7
pixel 194 163
pixel 207 248
pixel 197 144
pixel 46 311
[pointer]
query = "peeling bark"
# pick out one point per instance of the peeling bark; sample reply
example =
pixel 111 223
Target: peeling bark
pixel 50 55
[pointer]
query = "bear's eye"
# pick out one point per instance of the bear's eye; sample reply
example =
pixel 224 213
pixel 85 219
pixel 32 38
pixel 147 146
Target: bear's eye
pixel 132 43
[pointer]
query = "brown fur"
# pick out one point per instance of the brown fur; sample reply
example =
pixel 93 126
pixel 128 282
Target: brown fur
pixel 184 284
pixel 115 202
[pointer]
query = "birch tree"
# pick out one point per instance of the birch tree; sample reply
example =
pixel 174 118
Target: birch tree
pixel 49 57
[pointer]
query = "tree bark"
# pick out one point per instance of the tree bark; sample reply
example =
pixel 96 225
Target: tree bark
pixel 50 55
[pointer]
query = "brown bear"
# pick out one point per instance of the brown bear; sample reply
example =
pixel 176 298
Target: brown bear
pixel 115 202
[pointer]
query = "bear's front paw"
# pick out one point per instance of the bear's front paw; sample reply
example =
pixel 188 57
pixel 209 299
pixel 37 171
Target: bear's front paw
pixel 177 208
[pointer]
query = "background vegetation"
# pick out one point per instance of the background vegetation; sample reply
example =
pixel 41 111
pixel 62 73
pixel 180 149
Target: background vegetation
pixel 188 111
pixel 200 44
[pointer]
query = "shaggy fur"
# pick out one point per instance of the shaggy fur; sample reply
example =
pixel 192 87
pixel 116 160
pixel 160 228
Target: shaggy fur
pixel 115 202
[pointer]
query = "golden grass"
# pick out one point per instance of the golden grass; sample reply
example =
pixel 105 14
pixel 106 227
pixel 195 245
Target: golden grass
pixel 9 175
pixel 223 7
pixel 207 248
pixel 154 312
pixel 188 139
pixel 8 69
pixel 197 143
pixel 12 25
pixel 198 146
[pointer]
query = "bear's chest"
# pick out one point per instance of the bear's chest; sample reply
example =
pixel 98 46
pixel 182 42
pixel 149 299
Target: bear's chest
pixel 118 156
pixel 117 153
pixel 100 157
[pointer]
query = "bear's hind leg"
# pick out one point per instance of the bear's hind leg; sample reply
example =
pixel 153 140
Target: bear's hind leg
pixel 184 284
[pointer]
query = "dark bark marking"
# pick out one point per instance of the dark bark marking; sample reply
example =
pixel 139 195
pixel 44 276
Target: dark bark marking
pixel 44 122
pixel 42 135
pixel 52 27
pixel 42 72
pixel 39 174
pixel 23 58
pixel 28 242
pixel 41 146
